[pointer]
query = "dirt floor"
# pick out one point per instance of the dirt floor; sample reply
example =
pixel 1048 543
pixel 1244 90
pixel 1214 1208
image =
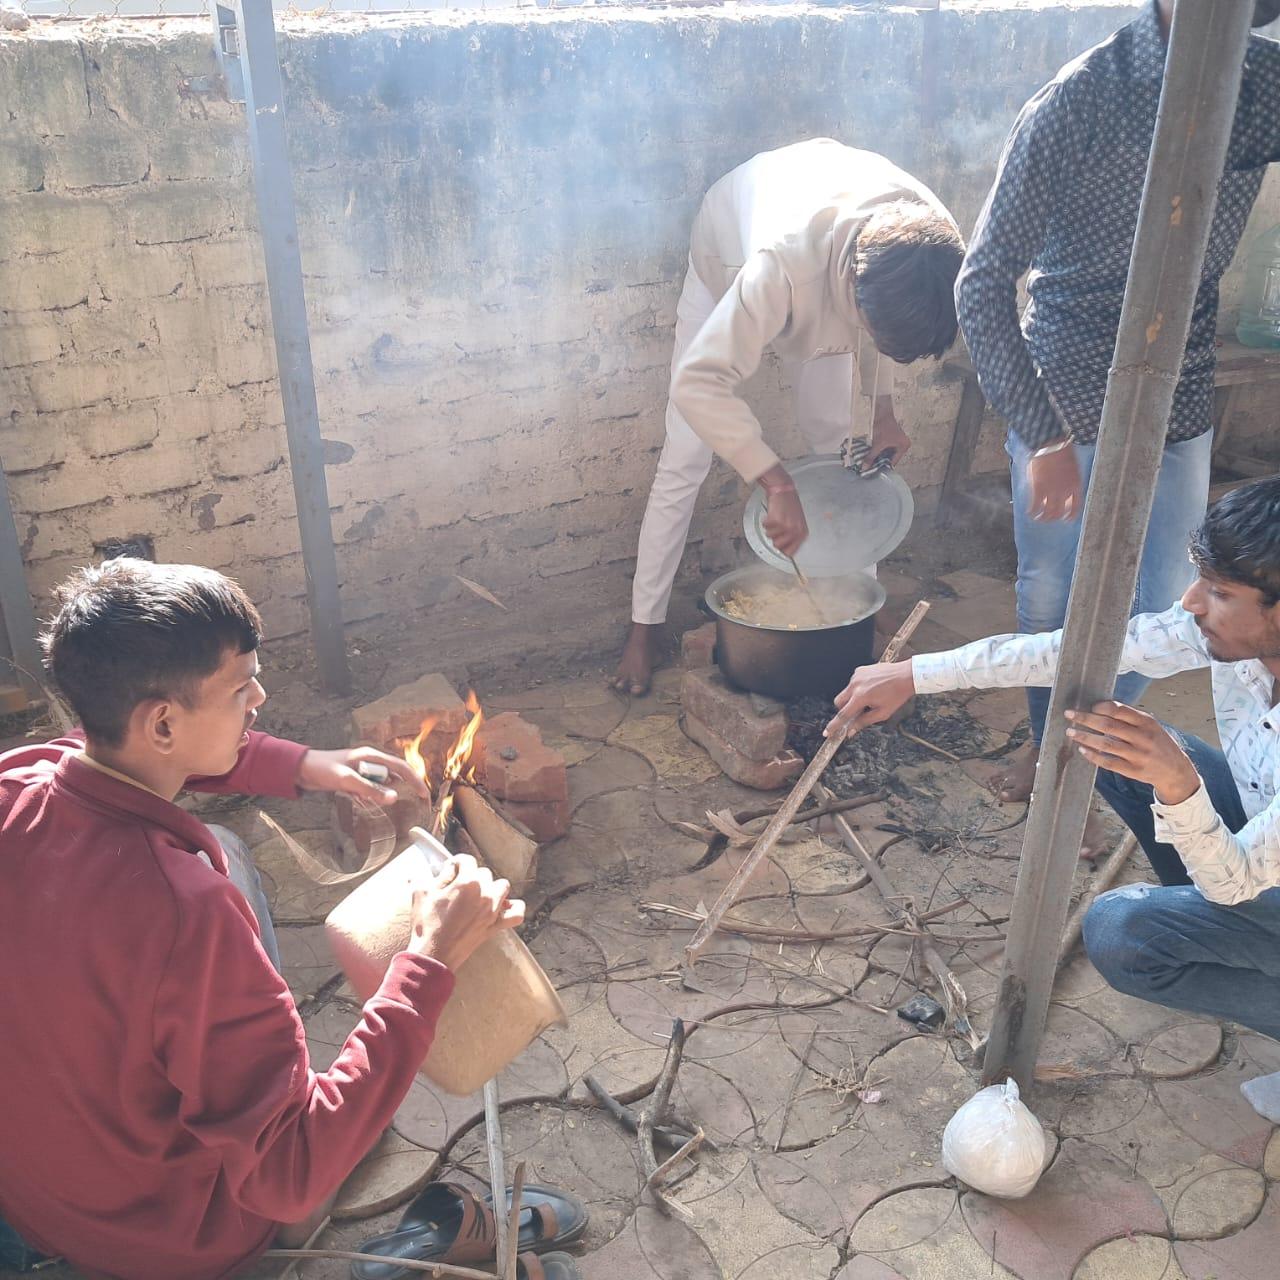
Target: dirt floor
pixel 826 1109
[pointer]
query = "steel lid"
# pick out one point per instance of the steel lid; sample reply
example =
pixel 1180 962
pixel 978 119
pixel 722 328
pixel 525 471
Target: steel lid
pixel 854 520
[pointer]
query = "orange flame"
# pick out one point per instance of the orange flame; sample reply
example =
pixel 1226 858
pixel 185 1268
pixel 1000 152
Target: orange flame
pixel 413 750
pixel 457 763
pixel 459 757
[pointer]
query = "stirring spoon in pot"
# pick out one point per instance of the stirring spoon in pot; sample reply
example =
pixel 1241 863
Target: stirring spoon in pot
pixel 804 586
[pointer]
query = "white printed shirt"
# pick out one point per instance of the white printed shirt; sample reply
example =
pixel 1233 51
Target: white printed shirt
pixel 1225 867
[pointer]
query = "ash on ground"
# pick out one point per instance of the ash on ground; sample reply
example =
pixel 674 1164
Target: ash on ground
pixel 873 757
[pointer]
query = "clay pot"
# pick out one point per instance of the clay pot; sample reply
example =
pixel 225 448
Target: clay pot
pixel 502 1000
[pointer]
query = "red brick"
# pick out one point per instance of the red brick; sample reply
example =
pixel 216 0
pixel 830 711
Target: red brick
pixel 766 775
pixel 696 645
pixel 732 716
pixel 401 713
pixel 516 765
pixel 547 819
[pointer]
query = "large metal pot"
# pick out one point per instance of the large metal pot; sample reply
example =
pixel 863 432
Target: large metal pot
pixel 791 661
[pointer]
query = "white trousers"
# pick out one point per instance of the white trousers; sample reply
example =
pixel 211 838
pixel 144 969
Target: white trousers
pixel 821 389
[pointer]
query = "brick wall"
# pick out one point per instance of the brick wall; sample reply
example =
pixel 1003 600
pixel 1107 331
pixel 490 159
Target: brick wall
pixel 494 212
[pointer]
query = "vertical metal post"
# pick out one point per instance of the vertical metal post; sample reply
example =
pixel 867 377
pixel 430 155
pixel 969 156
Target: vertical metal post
pixel 273 186
pixel 23 648
pixel 1188 154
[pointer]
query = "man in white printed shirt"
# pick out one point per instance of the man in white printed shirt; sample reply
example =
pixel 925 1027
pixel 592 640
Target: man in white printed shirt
pixel 1208 939
pixel 843 264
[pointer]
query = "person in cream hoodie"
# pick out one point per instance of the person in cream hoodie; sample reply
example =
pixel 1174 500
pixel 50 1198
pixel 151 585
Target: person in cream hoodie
pixel 843 264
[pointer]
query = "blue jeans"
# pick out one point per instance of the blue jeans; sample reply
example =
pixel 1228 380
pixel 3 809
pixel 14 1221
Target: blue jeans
pixel 1047 549
pixel 244 875
pixel 1170 945
pixel 15 1253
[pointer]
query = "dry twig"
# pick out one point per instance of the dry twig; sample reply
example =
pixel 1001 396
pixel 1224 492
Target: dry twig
pixel 790 806
pixel 658 1176
pixel 655 1113
pixel 953 995
pixel 293 1266
pixel 795 1084
pixel 508 1271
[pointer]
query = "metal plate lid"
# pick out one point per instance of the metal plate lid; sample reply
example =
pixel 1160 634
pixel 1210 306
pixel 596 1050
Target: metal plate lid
pixel 854 520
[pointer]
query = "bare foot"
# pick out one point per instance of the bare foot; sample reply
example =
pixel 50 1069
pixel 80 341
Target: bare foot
pixel 1015 786
pixel 639 657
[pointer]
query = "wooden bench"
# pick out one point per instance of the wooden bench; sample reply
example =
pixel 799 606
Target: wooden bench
pixel 985 500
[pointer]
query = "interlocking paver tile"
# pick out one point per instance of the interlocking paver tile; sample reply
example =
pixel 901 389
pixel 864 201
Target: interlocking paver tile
pixel 1132 1258
pixel 1212 1110
pixel 652 1247
pixel 922 1234
pixel 1181 1050
pixel 583 1151
pixel 749 1238
pixel 661 741
pixel 573 961
pixel 609 769
pixel 1216 1198
pixel 1085 1198
pixel 865 1267
pixel 392 1172
pixel 308 961
pixel 1250 1254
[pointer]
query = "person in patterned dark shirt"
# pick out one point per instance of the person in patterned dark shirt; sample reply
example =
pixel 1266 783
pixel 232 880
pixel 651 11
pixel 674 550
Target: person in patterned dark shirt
pixel 1065 206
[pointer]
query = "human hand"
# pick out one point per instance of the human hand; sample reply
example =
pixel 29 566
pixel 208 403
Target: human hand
pixel 1136 745
pixel 889 443
pixel 460 911
pixel 784 523
pixel 1057 492
pixel 872 695
pixel 337 771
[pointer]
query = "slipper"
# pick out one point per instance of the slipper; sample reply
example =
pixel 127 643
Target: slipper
pixel 551 1266
pixel 549 1218
pixel 443 1223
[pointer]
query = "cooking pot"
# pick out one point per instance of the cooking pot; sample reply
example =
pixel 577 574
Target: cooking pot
pixel 790 661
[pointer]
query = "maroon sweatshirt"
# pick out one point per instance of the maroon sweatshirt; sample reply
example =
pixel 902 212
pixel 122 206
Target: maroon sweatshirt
pixel 158 1113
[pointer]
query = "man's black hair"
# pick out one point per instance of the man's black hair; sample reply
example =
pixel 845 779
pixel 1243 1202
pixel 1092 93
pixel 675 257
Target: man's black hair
pixel 1239 540
pixel 908 257
pixel 129 630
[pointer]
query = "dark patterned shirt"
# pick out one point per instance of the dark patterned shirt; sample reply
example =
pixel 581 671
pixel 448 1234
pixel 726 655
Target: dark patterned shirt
pixel 1065 204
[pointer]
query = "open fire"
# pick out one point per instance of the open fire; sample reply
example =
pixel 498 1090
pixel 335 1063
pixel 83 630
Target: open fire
pixel 458 763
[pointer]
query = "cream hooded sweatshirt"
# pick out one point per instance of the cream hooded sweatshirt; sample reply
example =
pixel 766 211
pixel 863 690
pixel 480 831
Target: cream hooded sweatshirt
pixel 775 243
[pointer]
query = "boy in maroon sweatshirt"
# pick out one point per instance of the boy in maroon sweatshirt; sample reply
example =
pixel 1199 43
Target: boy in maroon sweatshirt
pixel 159 1119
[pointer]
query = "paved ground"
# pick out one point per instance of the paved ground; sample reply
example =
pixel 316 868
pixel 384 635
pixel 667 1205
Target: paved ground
pixel 1159 1169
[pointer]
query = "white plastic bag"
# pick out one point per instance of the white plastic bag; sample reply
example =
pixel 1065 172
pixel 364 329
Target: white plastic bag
pixel 994 1143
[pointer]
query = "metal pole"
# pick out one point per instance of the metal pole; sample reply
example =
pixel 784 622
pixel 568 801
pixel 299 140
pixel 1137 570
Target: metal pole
pixel 273 186
pixel 1188 154
pixel 21 631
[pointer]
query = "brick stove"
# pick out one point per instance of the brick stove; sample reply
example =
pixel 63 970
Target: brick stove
pixel 744 733
pixel 520 783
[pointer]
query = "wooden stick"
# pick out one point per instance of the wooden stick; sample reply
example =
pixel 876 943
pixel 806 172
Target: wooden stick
pixel 795 1086
pixel 1103 879
pixel 628 1119
pixel 508 1271
pixel 656 1178
pixel 953 995
pixel 409 1264
pixel 293 1266
pixel 654 1114
pixel 790 806
pixel 497 1174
